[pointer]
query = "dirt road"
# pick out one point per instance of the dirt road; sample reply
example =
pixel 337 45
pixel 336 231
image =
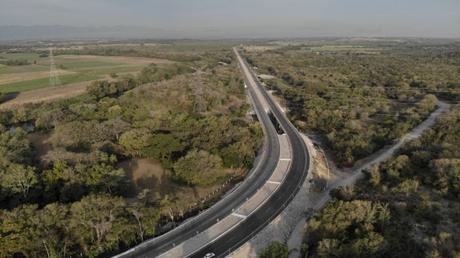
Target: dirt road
pixel 347 177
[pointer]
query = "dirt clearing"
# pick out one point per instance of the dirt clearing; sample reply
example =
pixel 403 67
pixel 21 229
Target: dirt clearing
pixel 145 173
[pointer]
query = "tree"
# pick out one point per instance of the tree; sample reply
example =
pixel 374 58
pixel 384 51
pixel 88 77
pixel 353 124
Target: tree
pixel 135 140
pixel 101 89
pixel 14 147
pixel 104 176
pixel 407 187
pixel 146 219
pixel 373 175
pixel 368 246
pixel 346 193
pixel 447 176
pixel 17 231
pixel 394 167
pixel 53 231
pixel 329 248
pixel 198 167
pixel 18 179
pixel 275 250
pixel 162 147
pixel 98 222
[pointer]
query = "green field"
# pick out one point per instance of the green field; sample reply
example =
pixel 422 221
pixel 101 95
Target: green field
pixel 72 69
pixel 4 69
pixel 44 82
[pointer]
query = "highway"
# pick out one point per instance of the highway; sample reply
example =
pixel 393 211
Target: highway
pixel 263 169
pixel 230 241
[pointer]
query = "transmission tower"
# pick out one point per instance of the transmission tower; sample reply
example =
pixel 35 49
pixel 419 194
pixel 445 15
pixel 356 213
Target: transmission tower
pixel 54 73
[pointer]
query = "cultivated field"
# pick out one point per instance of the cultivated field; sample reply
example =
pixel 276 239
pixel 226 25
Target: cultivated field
pixel 70 68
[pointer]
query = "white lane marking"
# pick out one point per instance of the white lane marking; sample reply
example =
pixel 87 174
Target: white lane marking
pixel 239 215
pixel 273 182
pixel 285 159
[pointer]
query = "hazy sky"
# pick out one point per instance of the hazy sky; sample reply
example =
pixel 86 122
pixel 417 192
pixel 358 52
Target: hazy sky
pixel 427 18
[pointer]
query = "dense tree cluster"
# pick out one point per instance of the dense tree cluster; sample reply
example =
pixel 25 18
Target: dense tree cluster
pixel 201 54
pixel 348 229
pixel 92 226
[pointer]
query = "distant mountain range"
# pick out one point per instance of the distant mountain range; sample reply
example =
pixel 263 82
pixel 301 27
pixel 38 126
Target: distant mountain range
pixel 59 32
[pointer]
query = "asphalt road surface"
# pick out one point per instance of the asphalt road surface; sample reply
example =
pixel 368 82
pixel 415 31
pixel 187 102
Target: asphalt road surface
pixel 285 193
pixel 256 179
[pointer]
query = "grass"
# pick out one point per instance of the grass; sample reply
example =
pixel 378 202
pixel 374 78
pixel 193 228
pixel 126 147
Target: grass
pixel 23 69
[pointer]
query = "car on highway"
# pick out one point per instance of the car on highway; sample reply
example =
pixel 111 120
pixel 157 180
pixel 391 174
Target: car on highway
pixel 209 255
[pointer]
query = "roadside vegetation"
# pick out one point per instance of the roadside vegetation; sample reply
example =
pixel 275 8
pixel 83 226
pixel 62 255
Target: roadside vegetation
pixel 93 175
pixel 358 98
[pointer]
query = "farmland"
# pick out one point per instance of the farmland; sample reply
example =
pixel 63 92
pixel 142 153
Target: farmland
pixel 70 69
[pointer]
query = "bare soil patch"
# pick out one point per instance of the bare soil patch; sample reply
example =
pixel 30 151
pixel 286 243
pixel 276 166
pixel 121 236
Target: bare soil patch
pixel 145 173
pixel 46 94
pixel 266 76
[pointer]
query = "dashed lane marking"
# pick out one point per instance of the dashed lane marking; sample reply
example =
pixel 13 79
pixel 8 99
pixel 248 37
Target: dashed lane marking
pixel 239 215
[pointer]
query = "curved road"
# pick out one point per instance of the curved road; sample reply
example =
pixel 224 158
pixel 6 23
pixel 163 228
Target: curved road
pixel 256 179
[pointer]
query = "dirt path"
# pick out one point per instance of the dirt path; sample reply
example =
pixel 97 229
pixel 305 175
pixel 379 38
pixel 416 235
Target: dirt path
pixel 387 152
